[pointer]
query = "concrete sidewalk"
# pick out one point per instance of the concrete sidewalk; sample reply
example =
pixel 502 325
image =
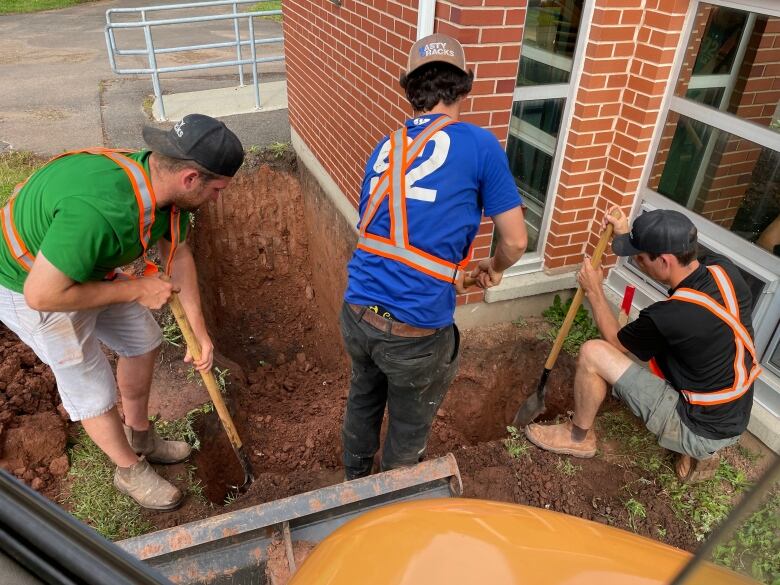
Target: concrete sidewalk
pixel 59 91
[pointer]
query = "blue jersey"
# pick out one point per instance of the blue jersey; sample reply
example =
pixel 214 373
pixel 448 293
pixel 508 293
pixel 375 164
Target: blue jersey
pixel 461 173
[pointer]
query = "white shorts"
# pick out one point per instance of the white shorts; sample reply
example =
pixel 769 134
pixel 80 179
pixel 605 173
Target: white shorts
pixel 69 343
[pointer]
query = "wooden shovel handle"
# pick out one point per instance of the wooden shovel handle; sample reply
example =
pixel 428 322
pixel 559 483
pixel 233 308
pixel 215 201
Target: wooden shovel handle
pixel 208 377
pixel 595 261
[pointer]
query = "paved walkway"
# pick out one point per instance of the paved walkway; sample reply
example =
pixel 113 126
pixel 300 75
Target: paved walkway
pixel 59 91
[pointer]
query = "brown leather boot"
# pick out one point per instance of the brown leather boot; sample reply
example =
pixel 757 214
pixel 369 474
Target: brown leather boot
pixel 142 483
pixel 557 439
pixel 691 470
pixel 155 449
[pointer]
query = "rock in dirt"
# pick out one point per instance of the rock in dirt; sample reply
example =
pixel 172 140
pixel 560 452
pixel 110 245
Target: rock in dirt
pixel 38 484
pixel 59 466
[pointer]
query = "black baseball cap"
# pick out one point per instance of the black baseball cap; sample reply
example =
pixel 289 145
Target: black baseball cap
pixel 661 231
pixel 200 138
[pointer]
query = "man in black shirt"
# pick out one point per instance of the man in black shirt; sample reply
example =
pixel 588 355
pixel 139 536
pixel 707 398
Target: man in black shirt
pixel 697 394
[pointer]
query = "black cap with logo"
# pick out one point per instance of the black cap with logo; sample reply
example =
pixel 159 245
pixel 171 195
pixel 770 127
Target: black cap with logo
pixel 200 138
pixel 661 231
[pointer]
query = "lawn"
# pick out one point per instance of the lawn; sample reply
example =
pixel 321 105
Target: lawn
pixel 15 167
pixel 24 6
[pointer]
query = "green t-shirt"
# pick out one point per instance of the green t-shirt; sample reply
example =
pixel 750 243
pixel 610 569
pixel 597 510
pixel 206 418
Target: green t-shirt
pixel 81 212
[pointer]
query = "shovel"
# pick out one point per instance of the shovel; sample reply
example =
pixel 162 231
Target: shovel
pixel 214 392
pixel 534 404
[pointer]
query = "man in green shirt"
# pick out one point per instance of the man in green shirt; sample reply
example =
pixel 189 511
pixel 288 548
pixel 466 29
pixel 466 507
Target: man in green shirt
pixel 69 228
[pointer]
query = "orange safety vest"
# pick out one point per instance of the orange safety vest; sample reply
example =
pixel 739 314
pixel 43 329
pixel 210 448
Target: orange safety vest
pixel 144 195
pixel 729 314
pixel 392 184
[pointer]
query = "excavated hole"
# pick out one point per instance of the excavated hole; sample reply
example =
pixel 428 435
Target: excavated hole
pixel 271 284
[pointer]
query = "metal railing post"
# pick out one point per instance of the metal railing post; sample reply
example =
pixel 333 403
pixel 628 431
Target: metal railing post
pixel 237 31
pixel 253 49
pixel 153 66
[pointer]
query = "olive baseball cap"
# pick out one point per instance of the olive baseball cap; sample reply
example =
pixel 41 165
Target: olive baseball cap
pixel 200 138
pixel 436 48
pixel 661 231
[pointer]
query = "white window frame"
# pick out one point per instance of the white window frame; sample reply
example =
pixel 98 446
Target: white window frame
pixel 763 266
pixel 534 261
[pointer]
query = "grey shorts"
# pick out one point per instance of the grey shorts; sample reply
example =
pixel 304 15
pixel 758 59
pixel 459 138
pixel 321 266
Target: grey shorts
pixel 655 401
pixel 69 343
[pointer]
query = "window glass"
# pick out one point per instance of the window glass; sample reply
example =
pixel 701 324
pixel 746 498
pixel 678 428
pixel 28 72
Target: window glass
pixel 533 134
pixel 549 39
pixel 735 64
pixel 728 180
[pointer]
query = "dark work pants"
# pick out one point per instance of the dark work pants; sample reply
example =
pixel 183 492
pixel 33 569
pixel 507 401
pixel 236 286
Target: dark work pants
pixel 410 375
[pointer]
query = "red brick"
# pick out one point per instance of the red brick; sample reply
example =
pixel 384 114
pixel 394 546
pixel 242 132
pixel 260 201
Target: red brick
pixel 496 70
pixel 599 50
pixel 505 86
pixel 514 16
pixel 500 35
pixel 481 17
pixel 597 66
pixel 612 33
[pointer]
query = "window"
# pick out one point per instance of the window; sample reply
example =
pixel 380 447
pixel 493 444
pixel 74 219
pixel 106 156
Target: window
pixel 717 155
pixel 543 82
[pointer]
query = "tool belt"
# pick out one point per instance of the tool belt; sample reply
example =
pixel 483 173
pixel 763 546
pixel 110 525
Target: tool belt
pixel 388 326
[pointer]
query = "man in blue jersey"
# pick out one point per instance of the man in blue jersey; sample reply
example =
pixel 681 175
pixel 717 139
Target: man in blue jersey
pixel 425 189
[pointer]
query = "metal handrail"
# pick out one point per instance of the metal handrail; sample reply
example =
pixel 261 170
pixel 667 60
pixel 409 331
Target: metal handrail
pixel 151 51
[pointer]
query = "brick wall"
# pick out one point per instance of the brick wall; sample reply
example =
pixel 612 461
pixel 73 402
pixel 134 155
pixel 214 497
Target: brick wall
pixel 628 60
pixel 343 65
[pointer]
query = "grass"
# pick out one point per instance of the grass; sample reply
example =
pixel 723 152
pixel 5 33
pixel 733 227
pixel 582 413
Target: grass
pixel 93 498
pixel 516 444
pixel 755 548
pixel 567 468
pixel 170 329
pixel 279 149
pixel 268 5
pixel 183 429
pixel 582 329
pixel 636 510
pixel 15 167
pixel 703 505
pixel 219 374
pixel 25 6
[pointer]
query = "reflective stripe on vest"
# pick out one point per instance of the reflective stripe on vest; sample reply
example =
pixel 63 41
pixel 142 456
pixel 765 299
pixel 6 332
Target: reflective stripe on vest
pixel 144 195
pixel 729 314
pixel 392 184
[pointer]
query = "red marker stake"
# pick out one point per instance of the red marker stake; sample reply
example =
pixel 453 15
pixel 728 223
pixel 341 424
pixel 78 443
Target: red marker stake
pixel 625 307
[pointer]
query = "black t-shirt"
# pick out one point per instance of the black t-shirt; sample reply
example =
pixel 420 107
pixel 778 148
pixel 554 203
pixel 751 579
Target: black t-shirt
pixel 695 350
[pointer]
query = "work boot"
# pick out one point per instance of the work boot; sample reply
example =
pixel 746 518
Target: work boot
pixel 557 439
pixel 155 449
pixel 142 483
pixel 691 470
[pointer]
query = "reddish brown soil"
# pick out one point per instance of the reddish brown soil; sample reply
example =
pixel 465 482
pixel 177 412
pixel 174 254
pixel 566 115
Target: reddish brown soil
pixel 32 429
pixel 290 380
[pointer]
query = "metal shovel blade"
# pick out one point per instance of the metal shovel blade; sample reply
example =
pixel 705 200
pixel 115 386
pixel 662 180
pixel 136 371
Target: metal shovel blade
pixel 246 466
pixel 533 405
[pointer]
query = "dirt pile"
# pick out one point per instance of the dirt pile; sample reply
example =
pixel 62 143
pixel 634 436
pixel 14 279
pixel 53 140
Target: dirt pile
pixel 32 421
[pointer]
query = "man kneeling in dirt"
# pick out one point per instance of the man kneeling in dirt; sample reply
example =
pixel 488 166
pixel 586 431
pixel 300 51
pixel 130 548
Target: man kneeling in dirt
pixel 423 195
pixel 697 394
pixel 66 231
